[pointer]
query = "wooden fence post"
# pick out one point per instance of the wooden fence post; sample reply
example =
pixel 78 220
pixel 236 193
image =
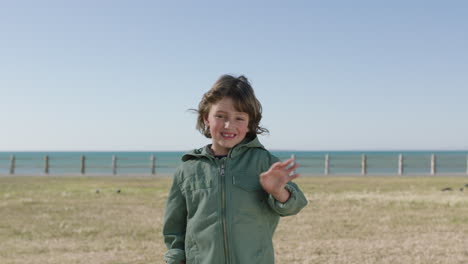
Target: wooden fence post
pixel 12 164
pixel 153 165
pixel 400 164
pixel 364 164
pixel 83 164
pixel 433 164
pixel 327 164
pixel 114 164
pixel 46 164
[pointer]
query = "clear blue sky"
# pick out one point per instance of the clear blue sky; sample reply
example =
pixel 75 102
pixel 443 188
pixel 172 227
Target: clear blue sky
pixel 331 75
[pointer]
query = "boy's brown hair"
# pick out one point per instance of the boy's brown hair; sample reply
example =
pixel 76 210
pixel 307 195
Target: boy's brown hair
pixel 241 92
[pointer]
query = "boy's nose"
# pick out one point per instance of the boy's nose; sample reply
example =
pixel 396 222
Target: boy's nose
pixel 226 124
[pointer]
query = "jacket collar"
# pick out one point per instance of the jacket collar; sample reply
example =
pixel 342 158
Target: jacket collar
pixel 248 142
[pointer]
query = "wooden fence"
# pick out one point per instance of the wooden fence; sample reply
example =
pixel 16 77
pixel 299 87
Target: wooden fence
pixel 83 167
pixel 326 162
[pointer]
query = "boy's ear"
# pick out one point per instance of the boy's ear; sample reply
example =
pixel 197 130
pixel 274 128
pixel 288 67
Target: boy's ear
pixel 205 120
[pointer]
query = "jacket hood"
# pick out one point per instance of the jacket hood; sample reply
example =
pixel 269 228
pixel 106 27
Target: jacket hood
pixel 248 142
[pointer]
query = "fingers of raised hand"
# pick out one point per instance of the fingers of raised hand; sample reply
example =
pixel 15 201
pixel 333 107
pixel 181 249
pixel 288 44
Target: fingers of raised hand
pixel 292 177
pixel 286 163
pixel 277 166
pixel 283 165
pixel 287 172
pixel 283 169
pixel 292 168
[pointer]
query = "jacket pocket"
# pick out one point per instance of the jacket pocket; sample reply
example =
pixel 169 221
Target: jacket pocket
pixel 197 180
pixel 247 181
pixel 191 250
pixel 252 241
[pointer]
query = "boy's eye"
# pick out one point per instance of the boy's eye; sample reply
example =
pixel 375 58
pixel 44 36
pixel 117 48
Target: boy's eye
pixel 240 119
pixel 219 116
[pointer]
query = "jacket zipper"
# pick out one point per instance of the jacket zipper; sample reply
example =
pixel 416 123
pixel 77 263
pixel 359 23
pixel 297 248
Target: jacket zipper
pixel 223 212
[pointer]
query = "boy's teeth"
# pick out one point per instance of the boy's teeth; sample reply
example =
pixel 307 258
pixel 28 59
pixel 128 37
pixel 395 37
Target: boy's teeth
pixel 227 134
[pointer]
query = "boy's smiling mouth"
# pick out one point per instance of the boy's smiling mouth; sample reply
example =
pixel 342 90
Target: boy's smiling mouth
pixel 227 135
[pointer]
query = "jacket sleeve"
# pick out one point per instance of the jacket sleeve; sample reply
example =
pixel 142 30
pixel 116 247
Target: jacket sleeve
pixel 294 204
pixel 175 222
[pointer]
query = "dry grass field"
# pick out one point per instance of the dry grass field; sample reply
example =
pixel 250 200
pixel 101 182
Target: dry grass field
pixel 348 220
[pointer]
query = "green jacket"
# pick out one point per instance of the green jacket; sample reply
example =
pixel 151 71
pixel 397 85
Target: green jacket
pixel 217 211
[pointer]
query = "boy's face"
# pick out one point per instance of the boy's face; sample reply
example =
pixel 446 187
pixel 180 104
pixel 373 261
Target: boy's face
pixel 228 127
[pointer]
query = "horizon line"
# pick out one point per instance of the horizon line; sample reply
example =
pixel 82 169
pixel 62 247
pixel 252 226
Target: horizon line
pixel 271 150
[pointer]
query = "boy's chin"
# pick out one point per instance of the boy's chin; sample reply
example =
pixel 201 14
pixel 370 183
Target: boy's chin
pixel 229 144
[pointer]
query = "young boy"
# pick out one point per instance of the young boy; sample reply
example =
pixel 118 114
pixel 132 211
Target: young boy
pixel 227 197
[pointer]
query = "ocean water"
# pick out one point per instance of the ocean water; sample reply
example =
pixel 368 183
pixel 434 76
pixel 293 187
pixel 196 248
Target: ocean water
pixel 311 162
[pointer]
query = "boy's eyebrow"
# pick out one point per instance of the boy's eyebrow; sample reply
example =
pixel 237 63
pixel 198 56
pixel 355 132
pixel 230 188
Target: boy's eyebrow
pixel 235 112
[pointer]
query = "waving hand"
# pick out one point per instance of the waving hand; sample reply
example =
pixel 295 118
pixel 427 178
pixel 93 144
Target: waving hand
pixel 275 179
